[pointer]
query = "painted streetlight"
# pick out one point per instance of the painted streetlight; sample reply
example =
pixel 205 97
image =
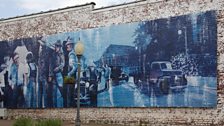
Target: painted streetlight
pixel 185 40
pixel 114 59
pixel 79 49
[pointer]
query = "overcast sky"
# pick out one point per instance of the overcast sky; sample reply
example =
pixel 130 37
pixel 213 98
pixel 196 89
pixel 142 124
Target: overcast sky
pixel 12 8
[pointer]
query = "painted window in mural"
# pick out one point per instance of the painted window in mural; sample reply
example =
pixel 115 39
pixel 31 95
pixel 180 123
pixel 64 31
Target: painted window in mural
pixel 161 63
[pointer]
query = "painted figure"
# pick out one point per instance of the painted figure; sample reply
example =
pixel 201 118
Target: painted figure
pixel 92 75
pixel 31 90
pixel 16 83
pixel 4 83
pixel 55 74
pixel 43 68
pixel 107 73
pixel 2 86
pixel 72 69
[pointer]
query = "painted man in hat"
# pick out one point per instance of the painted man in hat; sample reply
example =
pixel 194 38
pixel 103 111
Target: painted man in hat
pixel 31 93
pixel 43 68
pixel 72 68
pixel 55 74
pixel 16 83
pixel 4 83
pixel 92 75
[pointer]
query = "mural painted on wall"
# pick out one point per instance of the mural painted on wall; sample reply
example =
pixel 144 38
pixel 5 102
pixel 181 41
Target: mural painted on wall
pixel 161 63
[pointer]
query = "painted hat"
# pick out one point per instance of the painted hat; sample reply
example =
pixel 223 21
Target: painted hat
pixel 29 56
pixel 58 43
pixel 42 41
pixel 15 56
pixel 69 41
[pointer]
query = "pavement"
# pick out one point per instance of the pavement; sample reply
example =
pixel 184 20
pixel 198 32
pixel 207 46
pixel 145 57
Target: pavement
pixel 65 123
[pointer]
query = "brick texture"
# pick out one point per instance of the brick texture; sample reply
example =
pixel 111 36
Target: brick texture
pixel 87 17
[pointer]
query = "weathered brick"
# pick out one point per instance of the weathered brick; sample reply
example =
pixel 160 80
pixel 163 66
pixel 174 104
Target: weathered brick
pixel 86 17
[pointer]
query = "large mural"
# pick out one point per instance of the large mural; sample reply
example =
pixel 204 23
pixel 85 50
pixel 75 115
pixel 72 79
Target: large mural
pixel 160 63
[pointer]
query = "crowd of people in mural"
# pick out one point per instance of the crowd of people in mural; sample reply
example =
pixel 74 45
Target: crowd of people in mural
pixel 36 78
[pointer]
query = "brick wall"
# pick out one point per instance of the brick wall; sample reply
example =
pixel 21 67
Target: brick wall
pixel 84 17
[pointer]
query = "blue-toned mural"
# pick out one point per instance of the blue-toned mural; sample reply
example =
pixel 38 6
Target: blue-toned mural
pixel 161 63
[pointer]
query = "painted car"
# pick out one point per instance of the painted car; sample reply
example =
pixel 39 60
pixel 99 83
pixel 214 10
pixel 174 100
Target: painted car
pixel 166 77
pixel 117 74
pixel 88 88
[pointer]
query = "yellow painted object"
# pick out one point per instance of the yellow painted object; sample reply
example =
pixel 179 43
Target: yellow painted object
pixel 69 80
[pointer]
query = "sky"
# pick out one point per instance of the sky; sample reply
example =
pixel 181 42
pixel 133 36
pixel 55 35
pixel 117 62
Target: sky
pixel 12 8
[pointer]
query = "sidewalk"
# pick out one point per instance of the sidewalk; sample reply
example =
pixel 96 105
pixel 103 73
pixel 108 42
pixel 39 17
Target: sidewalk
pixel 66 123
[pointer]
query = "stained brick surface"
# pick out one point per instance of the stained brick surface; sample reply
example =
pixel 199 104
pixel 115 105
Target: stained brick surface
pixel 87 17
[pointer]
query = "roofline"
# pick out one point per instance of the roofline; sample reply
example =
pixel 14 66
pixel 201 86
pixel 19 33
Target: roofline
pixel 118 5
pixel 45 12
pixel 133 3
pixel 112 7
pixel 119 45
pixel 161 62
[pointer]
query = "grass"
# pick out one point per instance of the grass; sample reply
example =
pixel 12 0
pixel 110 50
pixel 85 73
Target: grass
pixel 31 122
pixel 23 122
pixel 49 122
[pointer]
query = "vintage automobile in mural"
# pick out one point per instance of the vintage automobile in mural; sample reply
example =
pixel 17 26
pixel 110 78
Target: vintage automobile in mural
pixel 161 74
pixel 117 74
pixel 88 88
pixel 165 77
pixel 84 92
